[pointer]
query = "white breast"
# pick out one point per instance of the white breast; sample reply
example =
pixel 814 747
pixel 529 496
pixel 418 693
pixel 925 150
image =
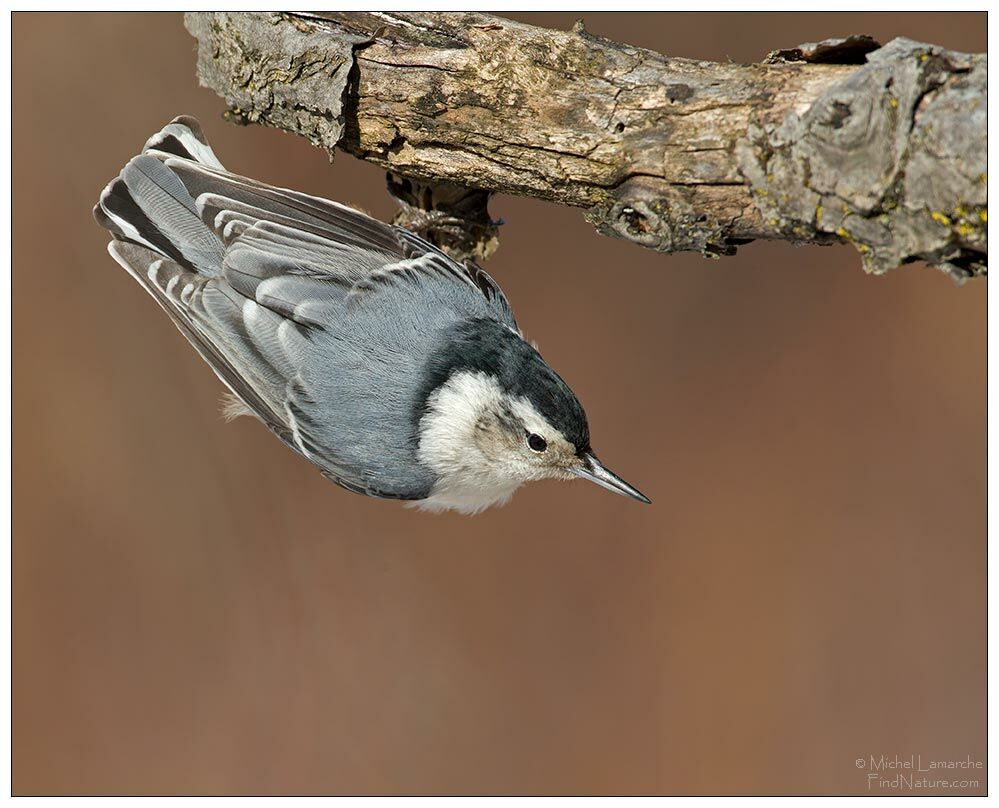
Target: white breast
pixel 467 499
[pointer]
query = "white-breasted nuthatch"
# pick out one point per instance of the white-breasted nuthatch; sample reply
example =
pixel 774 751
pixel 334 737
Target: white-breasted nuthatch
pixel 397 371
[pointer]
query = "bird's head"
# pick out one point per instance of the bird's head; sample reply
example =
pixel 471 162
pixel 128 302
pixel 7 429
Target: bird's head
pixel 495 416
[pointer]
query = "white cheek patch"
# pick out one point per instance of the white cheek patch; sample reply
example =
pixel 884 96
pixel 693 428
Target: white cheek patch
pixel 468 478
pixel 447 431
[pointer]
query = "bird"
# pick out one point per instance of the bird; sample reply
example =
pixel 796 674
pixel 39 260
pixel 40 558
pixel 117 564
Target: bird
pixel 397 371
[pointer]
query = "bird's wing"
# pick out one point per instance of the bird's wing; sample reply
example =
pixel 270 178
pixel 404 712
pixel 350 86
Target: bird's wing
pixel 291 234
pixel 210 314
pixel 263 358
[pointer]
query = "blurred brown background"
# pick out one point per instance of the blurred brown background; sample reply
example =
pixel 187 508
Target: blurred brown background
pixel 195 609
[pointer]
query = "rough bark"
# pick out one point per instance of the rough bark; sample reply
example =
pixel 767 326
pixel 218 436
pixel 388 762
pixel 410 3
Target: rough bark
pixel 882 147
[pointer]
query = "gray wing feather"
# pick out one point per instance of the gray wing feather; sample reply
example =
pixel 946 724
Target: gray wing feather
pixel 163 198
pixel 206 323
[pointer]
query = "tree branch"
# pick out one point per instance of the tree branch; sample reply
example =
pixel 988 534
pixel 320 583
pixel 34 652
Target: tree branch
pixel 882 147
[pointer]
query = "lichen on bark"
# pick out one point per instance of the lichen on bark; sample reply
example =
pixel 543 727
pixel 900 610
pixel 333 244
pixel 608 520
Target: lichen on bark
pixel 889 159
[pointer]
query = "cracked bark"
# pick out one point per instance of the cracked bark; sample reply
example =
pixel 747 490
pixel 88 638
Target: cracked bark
pixel 844 140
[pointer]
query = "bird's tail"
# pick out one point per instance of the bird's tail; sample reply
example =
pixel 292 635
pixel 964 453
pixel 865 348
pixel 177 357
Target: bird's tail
pixel 161 239
pixel 147 203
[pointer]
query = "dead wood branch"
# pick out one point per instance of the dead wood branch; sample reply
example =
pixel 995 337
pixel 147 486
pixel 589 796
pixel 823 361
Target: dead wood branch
pixel 882 147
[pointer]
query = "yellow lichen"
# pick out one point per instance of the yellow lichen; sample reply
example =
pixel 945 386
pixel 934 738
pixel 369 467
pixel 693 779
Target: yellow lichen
pixel 842 232
pixel 939 217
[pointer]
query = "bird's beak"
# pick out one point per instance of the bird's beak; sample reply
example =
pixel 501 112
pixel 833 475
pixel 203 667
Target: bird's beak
pixel 593 470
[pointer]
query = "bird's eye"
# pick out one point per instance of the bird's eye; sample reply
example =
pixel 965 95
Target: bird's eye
pixel 537 443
